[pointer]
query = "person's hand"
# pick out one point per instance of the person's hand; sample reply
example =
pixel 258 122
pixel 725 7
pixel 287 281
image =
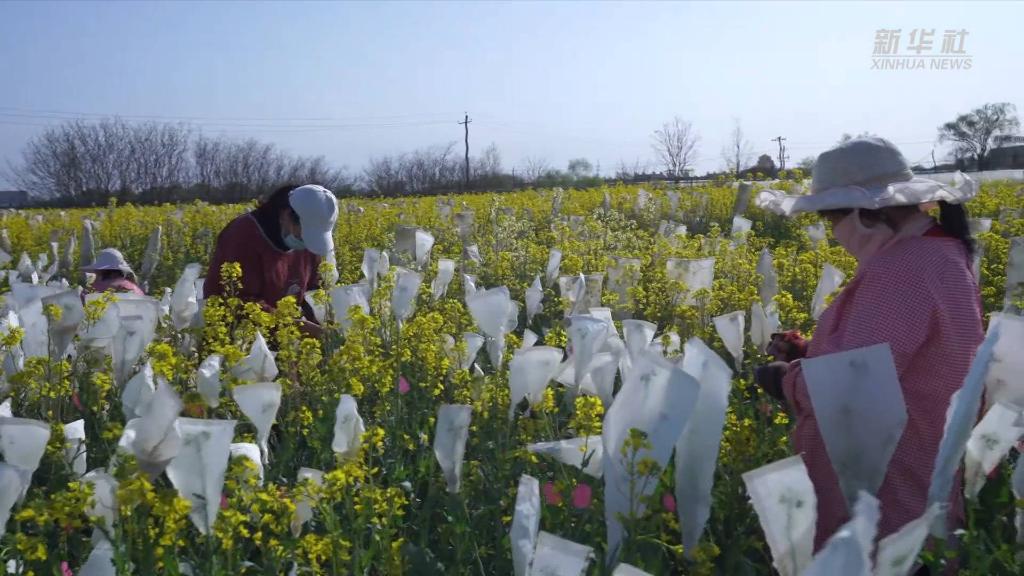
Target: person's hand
pixel 787 346
pixel 311 329
pixel 769 378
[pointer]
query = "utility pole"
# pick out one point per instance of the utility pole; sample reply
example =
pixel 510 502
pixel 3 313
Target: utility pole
pixel 465 123
pixel 933 159
pixel 782 152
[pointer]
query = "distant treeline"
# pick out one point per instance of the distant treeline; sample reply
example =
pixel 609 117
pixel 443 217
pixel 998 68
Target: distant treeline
pixel 80 163
pixel 91 163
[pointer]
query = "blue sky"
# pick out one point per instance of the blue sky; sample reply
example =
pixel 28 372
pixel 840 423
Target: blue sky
pixel 551 80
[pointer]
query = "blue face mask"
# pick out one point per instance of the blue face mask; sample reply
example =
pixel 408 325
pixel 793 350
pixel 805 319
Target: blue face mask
pixel 294 243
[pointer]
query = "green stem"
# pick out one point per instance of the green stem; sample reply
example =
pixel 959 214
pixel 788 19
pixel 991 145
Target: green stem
pixel 472 538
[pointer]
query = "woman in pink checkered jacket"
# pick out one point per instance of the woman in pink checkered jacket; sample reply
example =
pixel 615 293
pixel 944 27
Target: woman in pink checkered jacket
pixel 914 288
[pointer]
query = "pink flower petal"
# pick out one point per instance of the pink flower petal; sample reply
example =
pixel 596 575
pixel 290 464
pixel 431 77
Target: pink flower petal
pixel 550 493
pixel 669 502
pixel 581 496
pixel 65 570
pixel 403 385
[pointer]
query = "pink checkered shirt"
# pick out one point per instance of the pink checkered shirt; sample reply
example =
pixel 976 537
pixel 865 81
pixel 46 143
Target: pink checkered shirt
pixel 919 295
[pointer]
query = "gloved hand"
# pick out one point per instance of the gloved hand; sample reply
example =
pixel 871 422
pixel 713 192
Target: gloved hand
pixel 769 378
pixel 789 345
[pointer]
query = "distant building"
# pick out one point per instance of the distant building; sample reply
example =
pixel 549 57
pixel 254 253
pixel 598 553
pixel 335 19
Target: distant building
pixel 13 198
pixel 1006 158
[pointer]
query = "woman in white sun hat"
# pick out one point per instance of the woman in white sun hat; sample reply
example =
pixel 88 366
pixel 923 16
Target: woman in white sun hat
pixel 914 288
pixel 279 245
pixel 112 273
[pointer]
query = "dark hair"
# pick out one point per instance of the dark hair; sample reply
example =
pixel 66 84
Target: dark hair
pixel 278 199
pixel 953 219
pixel 268 213
pixel 106 274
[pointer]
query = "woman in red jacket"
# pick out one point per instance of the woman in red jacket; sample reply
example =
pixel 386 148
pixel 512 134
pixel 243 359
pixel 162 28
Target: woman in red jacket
pixel 279 245
pixel 914 289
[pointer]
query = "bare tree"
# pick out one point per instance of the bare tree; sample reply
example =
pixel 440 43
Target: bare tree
pixel 90 161
pixel 535 168
pixel 49 166
pixel 316 170
pixel 422 170
pixel 206 154
pixel 242 168
pixel 737 151
pixel 974 133
pixel 383 175
pixel 622 172
pixel 165 156
pixel 676 145
pixel 488 165
pixel 627 171
pixel 486 169
pixel 106 157
pixel 430 168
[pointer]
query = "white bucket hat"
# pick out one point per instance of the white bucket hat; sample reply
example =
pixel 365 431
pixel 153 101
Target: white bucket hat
pixel 868 173
pixel 109 259
pixel 317 209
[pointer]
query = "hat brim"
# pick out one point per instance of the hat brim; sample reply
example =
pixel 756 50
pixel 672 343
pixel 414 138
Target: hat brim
pixel 94 268
pixel 319 243
pixel 913 192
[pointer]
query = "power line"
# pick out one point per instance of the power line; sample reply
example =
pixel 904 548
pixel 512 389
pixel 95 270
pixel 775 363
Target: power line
pixel 27 112
pixel 281 127
pixel 12 123
pixel 556 134
pixel 228 125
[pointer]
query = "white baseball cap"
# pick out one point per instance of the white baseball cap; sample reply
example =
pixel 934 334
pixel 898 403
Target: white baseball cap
pixel 868 173
pixel 317 209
